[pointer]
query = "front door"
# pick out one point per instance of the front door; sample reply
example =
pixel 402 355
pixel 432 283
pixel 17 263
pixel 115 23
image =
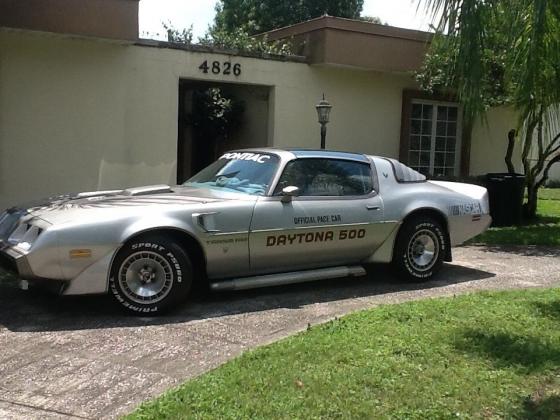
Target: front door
pixel 334 220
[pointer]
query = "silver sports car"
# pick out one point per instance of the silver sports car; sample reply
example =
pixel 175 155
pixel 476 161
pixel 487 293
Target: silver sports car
pixel 253 218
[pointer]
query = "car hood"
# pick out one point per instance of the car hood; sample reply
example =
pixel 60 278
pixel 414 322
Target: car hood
pixel 70 207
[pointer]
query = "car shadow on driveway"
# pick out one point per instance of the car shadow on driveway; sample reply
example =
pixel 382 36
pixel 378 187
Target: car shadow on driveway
pixel 36 311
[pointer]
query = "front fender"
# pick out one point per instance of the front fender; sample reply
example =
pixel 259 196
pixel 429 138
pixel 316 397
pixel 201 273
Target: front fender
pixel 94 278
pixel 160 223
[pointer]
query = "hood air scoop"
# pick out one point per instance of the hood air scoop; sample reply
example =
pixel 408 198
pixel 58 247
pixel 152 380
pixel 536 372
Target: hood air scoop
pixel 152 189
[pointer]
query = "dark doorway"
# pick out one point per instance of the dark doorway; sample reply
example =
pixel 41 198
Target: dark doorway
pixel 216 117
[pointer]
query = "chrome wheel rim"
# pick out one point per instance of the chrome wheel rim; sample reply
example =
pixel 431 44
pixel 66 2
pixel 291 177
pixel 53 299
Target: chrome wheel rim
pixel 145 277
pixel 423 250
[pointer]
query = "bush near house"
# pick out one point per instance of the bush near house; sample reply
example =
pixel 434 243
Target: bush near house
pixel 543 230
pixel 485 355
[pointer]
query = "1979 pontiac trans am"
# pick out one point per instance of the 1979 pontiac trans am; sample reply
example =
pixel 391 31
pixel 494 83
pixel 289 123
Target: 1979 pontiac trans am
pixel 252 218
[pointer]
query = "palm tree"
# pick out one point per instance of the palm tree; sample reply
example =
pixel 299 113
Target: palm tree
pixel 523 38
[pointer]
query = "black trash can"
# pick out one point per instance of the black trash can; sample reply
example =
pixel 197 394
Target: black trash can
pixel 505 192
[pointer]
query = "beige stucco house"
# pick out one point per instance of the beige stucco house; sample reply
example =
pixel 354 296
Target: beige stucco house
pixel 85 104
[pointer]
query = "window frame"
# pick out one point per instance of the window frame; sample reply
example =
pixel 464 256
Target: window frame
pixel 458 132
pixel 462 150
pixel 373 175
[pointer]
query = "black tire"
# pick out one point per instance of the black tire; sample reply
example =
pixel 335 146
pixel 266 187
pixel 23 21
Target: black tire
pixel 150 275
pixel 420 249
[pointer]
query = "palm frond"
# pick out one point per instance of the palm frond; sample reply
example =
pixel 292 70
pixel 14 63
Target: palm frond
pixel 523 34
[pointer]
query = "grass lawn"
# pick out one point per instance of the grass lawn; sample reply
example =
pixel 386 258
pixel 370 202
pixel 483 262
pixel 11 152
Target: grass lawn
pixel 549 194
pixel 543 231
pixel 485 355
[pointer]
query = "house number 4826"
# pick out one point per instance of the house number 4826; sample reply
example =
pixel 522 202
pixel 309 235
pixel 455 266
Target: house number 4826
pixel 217 67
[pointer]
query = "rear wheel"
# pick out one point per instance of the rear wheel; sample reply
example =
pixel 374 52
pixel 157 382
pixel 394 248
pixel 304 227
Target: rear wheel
pixel 150 275
pixel 420 249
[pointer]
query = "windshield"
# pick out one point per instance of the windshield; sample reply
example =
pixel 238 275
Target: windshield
pixel 246 172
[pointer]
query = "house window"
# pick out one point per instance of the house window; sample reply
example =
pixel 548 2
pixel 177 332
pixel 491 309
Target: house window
pixel 434 141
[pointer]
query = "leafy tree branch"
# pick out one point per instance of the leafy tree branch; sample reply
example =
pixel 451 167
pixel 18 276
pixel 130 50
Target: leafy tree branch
pixel 503 52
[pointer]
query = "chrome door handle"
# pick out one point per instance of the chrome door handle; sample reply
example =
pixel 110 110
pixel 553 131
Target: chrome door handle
pixel 372 207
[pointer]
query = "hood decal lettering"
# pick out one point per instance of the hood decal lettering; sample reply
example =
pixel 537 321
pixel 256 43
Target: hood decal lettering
pixel 255 157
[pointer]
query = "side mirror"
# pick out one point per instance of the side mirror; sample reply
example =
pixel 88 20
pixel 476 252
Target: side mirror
pixel 288 193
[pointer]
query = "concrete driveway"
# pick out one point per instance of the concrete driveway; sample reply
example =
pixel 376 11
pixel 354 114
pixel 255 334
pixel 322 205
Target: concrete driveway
pixel 82 358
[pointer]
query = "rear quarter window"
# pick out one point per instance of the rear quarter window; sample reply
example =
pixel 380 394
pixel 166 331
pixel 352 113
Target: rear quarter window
pixel 404 174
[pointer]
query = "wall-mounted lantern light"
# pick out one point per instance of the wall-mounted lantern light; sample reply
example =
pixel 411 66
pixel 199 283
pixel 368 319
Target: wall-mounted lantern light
pixel 323 113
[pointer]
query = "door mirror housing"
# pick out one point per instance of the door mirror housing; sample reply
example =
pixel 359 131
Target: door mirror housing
pixel 288 193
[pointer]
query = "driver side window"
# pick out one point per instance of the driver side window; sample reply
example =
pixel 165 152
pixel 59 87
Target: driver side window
pixel 326 177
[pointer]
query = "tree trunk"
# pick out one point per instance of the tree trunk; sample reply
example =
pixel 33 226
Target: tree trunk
pixel 509 152
pixel 530 207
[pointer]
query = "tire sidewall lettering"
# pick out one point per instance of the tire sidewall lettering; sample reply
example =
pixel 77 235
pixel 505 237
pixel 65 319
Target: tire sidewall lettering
pixel 435 229
pixel 148 246
pixel 175 264
pixel 127 304
pixel 179 270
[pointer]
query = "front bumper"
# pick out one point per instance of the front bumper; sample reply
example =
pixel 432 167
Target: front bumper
pixel 17 228
pixel 14 261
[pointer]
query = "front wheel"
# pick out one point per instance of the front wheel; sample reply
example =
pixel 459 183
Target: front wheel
pixel 150 275
pixel 420 249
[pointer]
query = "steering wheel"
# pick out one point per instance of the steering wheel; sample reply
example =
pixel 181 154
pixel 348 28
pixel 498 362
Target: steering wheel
pixel 222 181
pixel 233 183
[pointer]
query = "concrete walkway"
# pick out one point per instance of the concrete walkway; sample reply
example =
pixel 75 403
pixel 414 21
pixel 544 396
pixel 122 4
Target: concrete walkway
pixel 82 358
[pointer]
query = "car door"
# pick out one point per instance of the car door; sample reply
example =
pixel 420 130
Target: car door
pixel 336 218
